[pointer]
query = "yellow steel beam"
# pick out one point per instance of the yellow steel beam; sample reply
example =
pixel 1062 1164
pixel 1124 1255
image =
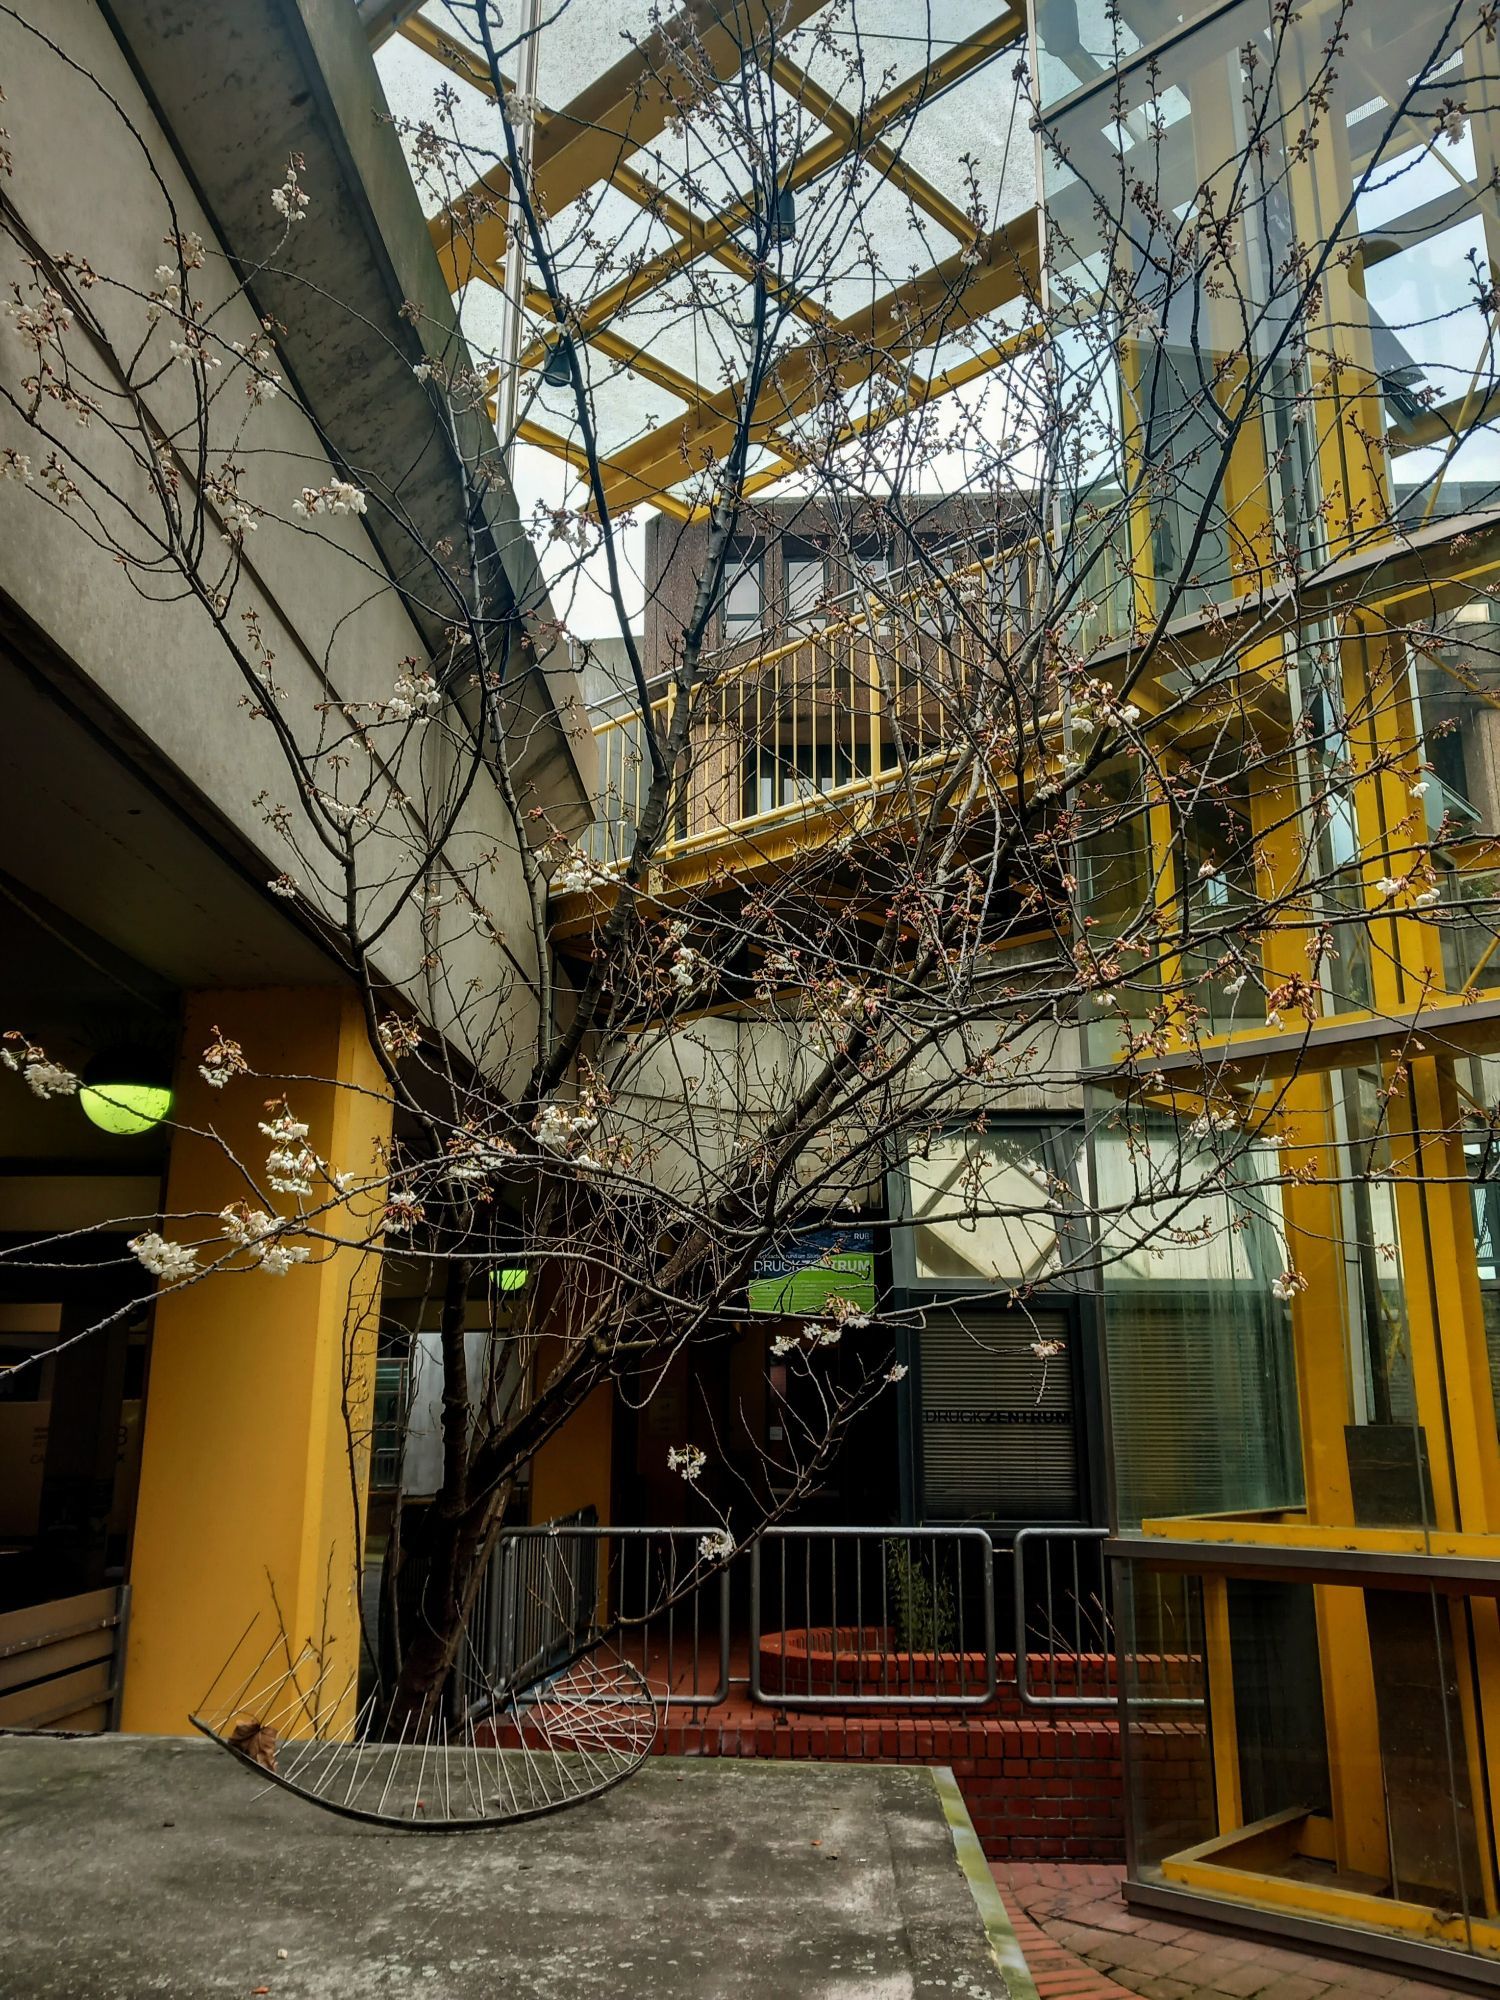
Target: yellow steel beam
pixel 724 250
pixel 913 315
pixel 462 61
pixel 572 454
pixel 887 163
pixel 983 363
pixel 645 193
pixel 705 236
pixel 587 139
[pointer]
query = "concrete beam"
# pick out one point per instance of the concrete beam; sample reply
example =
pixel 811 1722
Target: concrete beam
pixel 240 90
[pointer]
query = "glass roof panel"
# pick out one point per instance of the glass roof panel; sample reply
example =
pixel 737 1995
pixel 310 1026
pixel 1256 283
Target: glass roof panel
pixel 985 116
pixel 863 51
pixel 411 80
pixel 697 323
pixel 858 236
pixel 624 405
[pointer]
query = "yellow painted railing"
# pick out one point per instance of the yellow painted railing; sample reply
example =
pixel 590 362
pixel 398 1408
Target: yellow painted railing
pixel 838 712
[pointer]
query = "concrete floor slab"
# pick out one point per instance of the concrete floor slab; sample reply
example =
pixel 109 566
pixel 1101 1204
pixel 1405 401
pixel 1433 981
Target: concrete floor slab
pixel 138 1866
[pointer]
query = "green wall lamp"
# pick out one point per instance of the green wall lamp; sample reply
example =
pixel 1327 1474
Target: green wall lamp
pixel 126 1090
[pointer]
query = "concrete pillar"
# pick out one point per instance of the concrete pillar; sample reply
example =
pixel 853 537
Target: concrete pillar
pixel 248 1501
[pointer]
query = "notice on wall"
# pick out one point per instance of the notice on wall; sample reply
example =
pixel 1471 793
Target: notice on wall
pixel 822 1264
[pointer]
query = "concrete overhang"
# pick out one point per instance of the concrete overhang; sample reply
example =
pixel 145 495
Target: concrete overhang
pixel 97 822
pixel 240 89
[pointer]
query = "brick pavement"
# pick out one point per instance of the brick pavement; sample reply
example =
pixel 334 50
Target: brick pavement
pixel 1082 1943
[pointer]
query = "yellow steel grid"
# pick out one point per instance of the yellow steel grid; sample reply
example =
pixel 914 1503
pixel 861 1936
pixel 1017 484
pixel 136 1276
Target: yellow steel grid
pixel 587 142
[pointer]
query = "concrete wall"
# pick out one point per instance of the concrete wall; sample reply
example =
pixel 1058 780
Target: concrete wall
pixel 320 591
pixel 702 1090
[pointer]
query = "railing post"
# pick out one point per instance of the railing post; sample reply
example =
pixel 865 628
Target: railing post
pixel 757 1692
pixel 505 1616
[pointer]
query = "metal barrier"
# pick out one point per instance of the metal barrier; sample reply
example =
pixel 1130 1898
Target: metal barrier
pixel 1063 1602
pixel 873 1618
pixel 550 1592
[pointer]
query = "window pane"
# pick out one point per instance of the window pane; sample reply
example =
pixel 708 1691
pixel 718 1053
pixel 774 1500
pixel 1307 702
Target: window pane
pixel 804 590
pixel 742 594
pixel 984 1209
pixel 1202 1378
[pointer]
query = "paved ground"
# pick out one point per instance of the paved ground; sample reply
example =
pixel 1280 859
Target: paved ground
pixel 137 1867
pixel 1082 1943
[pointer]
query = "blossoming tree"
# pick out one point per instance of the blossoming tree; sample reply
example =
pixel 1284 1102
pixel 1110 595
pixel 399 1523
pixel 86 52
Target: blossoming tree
pixel 1070 772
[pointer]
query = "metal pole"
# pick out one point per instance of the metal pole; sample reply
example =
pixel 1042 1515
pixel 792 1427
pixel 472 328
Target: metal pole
pixel 513 318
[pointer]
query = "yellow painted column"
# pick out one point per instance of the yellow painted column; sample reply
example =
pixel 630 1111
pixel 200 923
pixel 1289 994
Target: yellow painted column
pixel 573 1468
pixel 258 1401
pixel 1322 1330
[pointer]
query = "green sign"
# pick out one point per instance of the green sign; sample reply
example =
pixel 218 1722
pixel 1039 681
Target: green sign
pixel 824 1264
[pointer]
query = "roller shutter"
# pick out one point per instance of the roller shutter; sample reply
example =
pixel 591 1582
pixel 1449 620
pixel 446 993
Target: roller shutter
pixel 998 1435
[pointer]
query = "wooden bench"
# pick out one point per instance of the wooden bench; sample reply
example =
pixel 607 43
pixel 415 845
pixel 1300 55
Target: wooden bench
pixel 60 1662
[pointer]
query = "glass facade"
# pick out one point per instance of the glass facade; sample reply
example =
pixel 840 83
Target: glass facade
pixel 1187 1302
pixel 1272 235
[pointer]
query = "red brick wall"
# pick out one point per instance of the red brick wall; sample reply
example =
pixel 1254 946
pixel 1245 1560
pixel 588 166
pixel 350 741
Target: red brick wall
pixel 1044 1790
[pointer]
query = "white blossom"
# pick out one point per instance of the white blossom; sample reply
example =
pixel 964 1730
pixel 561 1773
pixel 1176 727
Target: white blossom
pixel 222 1059
pixel 289 200
pixel 162 1259
pixel 1046 1350
pixel 276 1259
pixel 522 111
pixel 783 1344
pixel 1208 870
pixel 1389 885
pixel 1427 898
pixel 1418 790
pixel 14 464
pixel 1208 1122
pixel 1288 1285
pixel 42 1076
pixel 897 1373
pixel 555 1126
pixel 339 496
pixel 688 1459
pixel 684 969
pixel 471 1158
pixel 579 871
pixel 342 811
pixel 244 1224
pixel 402 1214
pixel 291 1162
pixel 414 694
pixel 283 885
pixel 398 1036
pixel 262 1235
pixel 1233 986
pixel 716 1547
pixel 847 1313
